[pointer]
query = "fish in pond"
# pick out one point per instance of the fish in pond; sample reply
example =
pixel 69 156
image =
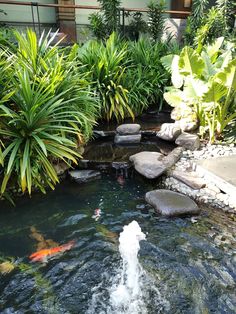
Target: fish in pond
pixel 121 180
pixel 43 255
pixel 109 235
pixel 6 267
pixel 97 214
pixel 42 242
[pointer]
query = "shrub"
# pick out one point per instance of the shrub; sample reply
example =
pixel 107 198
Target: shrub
pixel 106 63
pixel 156 19
pixel 146 77
pixel 205 82
pixel 49 111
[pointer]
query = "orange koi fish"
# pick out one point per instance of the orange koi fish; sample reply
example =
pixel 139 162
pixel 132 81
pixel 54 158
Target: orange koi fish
pixel 43 255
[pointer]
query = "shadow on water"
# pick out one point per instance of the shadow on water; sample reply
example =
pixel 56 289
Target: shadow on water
pixel 189 267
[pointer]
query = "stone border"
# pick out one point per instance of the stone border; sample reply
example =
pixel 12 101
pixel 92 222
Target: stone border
pixel 208 192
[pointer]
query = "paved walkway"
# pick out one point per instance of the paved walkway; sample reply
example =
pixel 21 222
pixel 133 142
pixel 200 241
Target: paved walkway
pixel 220 170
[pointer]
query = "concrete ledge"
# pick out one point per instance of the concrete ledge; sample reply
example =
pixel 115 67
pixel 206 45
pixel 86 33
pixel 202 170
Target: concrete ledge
pixel 221 171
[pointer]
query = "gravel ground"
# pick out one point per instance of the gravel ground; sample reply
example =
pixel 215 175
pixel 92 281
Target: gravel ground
pixel 210 195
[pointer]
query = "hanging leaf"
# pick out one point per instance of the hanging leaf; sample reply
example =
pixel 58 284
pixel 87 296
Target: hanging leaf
pixel 190 63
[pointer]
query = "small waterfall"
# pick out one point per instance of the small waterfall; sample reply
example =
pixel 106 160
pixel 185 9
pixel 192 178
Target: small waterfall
pixel 126 294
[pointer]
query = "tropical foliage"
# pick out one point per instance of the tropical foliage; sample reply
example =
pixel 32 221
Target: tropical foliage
pixel 156 19
pixel 206 24
pixel 206 82
pixel 150 76
pixel 127 76
pixel 107 21
pixel 46 111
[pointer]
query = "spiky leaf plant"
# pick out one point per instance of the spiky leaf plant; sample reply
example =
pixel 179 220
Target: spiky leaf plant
pixel 50 111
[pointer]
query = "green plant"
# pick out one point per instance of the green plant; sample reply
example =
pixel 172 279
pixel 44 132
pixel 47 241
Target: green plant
pixel 227 7
pixel 97 25
pixel 106 64
pixel 49 111
pixel 107 21
pixel 205 25
pixel 110 10
pixel 205 82
pixel 210 29
pixel 156 19
pixel 136 26
pixel 146 76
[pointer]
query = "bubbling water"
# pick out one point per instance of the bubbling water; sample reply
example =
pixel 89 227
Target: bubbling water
pixel 126 296
pixel 132 289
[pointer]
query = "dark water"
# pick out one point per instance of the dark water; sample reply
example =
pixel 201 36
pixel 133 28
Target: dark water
pixel 107 151
pixel 191 265
pixel 148 121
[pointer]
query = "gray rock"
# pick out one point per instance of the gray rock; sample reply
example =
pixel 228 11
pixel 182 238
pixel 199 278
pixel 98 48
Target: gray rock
pixel 190 179
pixel 61 167
pixel 99 134
pixel 128 129
pixel 127 139
pixel 148 164
pixel 169 132
pixel 81 176
pixel 186 125
pixel 169 203
pixel 189 141
pixel 171 159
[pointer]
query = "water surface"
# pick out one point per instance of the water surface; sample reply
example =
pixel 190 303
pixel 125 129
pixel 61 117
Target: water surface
pixel 188 267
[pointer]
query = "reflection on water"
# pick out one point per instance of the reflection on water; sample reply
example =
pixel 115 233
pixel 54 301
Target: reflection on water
pixel 190 266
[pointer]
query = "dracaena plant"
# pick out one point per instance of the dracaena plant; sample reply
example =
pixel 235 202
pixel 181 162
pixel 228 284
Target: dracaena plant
pixel 205 82
pixel 50 110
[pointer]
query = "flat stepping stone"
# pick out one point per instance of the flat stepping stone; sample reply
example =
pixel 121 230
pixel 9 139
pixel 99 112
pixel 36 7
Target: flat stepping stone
pixel 128 129
pixel 148 164
pixel 188 141
pixel 169 132
pixel 82 176
pixel 128 139
pixel 190 179
pixel 169 203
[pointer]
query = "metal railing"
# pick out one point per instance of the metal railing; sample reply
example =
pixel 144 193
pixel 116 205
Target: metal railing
pixel 36 23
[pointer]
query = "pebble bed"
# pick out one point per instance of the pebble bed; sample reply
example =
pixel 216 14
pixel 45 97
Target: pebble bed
pixel 210 195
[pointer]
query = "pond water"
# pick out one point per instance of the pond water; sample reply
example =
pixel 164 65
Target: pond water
pixel 184 267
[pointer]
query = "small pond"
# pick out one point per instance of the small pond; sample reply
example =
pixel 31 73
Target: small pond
pixel 188 267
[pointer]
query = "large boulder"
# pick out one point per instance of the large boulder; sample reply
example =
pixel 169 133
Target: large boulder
pixel 169 203
pixel 81 176
pixel 148 164
pixel 128 129
pixel 127 139
pixel 169 132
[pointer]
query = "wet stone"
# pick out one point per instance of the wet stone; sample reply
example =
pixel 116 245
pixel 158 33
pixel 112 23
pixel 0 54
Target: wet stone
pixel 128 129
pixel 128 139
pixel 169 203
pixel 148 164
pixel 81 176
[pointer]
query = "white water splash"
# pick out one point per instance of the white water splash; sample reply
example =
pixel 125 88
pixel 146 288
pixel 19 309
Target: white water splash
pixel 126 296
pixel 132 290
